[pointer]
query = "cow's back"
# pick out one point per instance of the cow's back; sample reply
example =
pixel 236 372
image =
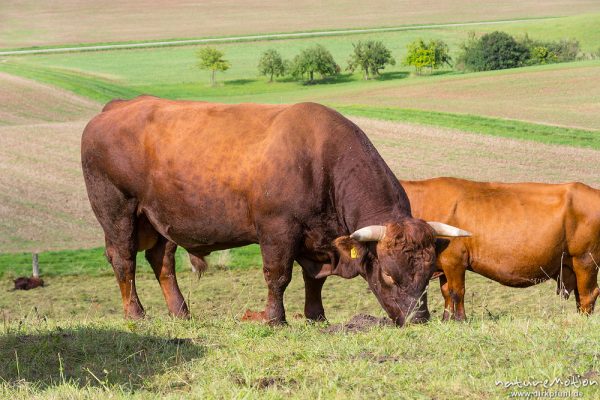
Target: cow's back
pixel 521 231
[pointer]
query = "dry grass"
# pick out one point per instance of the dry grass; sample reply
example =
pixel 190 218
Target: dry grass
pixel 419 152
pixel 43 204
pixel 24 101
pixel 567 96
pixel 30 22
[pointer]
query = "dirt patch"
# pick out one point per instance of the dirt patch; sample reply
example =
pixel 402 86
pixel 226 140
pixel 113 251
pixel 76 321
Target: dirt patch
pixel 358 323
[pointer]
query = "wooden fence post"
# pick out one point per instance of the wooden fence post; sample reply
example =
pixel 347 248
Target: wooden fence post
pixel 35 265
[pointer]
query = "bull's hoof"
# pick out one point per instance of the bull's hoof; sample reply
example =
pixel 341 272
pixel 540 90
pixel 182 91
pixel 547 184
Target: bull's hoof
pixel 316 318
pixel 134 313
pixel 180 312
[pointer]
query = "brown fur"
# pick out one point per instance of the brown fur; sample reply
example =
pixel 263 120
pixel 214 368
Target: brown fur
pixel 24 283
pixel 206 176
pixel 523 234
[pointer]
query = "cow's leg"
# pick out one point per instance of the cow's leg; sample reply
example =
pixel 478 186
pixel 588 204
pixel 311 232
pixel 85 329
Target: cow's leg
pixel 587 291
pixel 278 243
pixel 566 282
pixel 313 303
pixel 456 289
pixel 121 254
pixel 448 304
pixel 117 215
pixel 162 259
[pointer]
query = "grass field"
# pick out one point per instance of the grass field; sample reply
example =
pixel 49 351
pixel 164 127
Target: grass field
pixel 30 23
pixel 68 340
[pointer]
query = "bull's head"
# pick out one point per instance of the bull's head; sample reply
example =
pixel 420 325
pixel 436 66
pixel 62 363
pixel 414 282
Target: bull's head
pixel 397 260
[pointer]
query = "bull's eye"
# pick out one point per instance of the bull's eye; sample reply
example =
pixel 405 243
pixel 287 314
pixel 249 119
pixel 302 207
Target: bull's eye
pixel 387 278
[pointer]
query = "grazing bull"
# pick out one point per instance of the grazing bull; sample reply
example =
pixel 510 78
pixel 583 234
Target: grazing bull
pixel 301 180
pixel 523 234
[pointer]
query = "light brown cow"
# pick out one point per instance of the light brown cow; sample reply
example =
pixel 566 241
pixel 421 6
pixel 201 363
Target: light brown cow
pixel 522 234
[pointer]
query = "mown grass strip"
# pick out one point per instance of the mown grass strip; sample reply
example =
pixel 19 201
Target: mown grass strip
pixel 484 125
pixel 92 87
pixel 93 262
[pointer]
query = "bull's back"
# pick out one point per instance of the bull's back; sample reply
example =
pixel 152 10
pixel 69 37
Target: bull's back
pixel 520 231
pixel 187 162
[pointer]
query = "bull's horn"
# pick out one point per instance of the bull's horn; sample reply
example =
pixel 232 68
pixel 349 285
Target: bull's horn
pixel 369 233
pixel 447 230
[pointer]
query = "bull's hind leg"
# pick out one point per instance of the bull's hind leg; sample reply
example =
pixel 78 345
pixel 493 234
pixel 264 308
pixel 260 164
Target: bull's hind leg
pixel 587 291
pixel 117 215
pixel 162 259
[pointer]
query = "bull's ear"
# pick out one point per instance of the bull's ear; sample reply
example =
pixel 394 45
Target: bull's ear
pixel 353 255
pixel 350 249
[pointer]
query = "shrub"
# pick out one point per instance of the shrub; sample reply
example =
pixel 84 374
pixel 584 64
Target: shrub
pixel 316 59
pixel 370 57
pixel 496 50
pixel 544 52
pixel 432 55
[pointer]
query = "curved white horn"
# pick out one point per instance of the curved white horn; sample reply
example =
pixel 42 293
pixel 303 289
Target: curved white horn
pixel 369 233
pixel 447 230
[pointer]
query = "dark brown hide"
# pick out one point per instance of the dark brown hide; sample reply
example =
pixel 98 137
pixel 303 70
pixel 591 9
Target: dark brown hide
pixel 522 234
pixel 24 283
pixel 292 178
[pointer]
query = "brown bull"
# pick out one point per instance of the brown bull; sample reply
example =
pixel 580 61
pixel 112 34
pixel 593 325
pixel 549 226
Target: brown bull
pixel 296 179
pixel 523 234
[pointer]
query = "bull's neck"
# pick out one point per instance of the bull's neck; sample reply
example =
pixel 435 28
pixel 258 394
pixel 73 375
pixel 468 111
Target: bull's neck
pixel 366 190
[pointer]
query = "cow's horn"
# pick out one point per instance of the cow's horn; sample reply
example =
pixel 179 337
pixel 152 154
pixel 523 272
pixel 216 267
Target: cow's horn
pixel 369 233
pixel 447 230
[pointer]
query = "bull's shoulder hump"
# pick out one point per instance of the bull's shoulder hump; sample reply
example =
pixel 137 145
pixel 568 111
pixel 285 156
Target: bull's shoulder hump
pixel 119 103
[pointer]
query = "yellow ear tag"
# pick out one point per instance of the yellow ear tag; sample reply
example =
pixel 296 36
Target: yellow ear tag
pixel 353 253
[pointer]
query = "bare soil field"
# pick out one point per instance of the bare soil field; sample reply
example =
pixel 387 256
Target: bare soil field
pixel 35 23
pixel 23 101
pixel 568 96
pixel 43 204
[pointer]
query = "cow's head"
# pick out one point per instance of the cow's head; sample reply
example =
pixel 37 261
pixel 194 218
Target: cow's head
pixel 397 260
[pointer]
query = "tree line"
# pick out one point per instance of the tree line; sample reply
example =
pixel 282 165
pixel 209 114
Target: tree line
pixel 496 50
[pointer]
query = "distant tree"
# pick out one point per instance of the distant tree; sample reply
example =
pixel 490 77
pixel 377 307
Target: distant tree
pixel 212 59
pixel 496 50
pixel 432 55
pixel 370 57
pixel 316 59
pixel 271 64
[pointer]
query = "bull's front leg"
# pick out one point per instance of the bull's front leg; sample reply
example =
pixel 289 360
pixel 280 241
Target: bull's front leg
pixel 313 302
pixel 277 247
